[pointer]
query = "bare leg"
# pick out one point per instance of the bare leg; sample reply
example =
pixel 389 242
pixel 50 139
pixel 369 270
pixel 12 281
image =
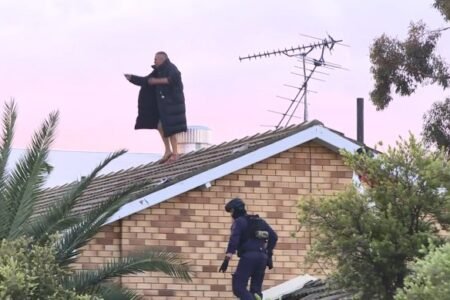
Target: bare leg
pixel 165 140
pixel 173 143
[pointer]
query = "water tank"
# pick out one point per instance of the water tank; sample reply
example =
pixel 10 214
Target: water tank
pixel 196 137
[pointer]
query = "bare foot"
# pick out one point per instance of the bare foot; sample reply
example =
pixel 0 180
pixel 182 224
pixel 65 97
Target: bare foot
pixel 165 157
pixel 172 158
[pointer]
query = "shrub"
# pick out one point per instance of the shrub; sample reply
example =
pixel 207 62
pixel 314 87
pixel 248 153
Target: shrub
pixel 30 271
pixel 429 279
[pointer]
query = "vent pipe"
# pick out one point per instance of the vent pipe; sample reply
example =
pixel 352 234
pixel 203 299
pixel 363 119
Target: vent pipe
pixel 360 120
pixel 195 138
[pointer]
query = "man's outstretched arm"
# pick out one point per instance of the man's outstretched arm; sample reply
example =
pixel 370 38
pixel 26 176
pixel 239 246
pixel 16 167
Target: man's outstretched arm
pixel 137 80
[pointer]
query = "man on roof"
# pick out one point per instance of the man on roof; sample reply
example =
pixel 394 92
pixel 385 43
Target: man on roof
pixel 161 103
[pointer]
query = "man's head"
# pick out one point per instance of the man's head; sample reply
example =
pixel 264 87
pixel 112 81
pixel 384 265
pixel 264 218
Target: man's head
pixel 160 58
pixel 236 207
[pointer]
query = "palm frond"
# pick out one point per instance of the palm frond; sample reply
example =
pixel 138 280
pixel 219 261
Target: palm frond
pixel 79 235
pixel 57 217
pixel 111 291
pixel 44 229
pixel 26 180
pixel 8 123
pixel 151 260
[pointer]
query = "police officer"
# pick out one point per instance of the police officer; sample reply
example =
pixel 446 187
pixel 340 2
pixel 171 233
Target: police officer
pixel 255 248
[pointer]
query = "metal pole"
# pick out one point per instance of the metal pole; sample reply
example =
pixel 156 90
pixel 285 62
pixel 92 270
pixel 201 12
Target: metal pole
pixel 305 103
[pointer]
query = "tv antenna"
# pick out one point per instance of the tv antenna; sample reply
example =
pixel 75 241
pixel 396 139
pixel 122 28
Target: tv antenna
pixel 302 52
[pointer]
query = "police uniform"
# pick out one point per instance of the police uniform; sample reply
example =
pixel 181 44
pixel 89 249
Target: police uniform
pixel 253 258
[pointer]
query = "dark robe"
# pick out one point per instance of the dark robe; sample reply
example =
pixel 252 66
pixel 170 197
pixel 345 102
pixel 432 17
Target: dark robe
pixel 162 102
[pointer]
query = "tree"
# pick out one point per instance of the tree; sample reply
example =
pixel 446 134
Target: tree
pixel 444 7
pixel 436 129
pixel 19 191
pixel 371 235
pixel 406 64
pixel 429 279
pixel 403 65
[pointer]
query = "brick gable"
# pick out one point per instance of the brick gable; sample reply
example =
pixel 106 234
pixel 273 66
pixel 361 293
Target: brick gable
pixel 195 224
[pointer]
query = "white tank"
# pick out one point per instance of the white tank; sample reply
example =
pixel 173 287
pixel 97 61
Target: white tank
pixel 196 137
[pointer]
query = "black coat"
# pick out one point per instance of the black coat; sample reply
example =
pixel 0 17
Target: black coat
pixel 162 102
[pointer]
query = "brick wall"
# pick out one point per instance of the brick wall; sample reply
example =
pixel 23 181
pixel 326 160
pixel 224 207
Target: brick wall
pixel 196 226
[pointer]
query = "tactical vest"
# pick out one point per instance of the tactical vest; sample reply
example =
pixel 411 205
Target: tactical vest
pixel 256 229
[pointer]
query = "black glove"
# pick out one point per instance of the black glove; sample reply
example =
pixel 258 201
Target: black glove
pixel 224 265
pixel 269 262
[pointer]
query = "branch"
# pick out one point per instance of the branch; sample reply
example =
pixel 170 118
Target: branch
pixel 440 29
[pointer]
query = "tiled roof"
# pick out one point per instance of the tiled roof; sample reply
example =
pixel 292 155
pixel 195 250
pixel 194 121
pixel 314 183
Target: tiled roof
pixel 315 290
pixel 161 176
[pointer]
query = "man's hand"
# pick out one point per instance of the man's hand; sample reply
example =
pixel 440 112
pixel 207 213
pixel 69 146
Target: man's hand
pixel 127 76
pixel 270 262
pixel 224 265
pixel 157 81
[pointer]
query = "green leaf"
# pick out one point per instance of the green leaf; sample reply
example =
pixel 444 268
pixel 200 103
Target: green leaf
pixel 57 217
pixel 78 235
pixel 26 180
pixel 8 123
pixel 150 260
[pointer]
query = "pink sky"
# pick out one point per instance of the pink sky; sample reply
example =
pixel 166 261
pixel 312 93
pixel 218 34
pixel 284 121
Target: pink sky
pixel 70 56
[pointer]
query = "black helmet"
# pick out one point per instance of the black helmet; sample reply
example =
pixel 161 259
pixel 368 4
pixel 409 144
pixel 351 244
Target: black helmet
pixel 235 204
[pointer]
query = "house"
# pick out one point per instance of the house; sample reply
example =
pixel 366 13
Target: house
pixel 182 207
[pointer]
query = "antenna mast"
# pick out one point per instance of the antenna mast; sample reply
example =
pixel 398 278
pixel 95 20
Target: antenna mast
pixel 302 91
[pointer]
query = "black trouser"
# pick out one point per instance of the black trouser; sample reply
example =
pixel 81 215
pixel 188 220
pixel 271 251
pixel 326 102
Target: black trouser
pixel 252 265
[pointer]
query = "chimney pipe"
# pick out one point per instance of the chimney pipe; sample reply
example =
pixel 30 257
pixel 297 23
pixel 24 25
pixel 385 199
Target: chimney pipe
pixel 360 120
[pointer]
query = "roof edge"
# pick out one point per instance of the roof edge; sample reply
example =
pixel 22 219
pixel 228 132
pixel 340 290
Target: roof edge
pixel 314 132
